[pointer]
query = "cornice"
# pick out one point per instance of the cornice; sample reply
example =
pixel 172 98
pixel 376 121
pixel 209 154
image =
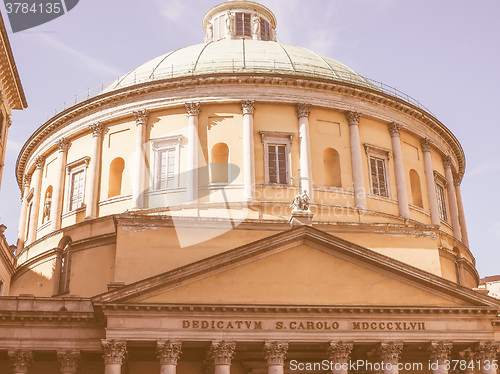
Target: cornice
pixel 359 92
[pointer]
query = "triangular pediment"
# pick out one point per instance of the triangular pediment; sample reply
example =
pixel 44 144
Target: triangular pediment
pixel 304 266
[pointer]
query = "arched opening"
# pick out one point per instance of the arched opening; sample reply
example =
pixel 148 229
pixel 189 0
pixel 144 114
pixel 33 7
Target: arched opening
pixel 63 265
pixel 219 167
pixel 416 191
pixel 331 164
pixel 47 204
pixel 115 177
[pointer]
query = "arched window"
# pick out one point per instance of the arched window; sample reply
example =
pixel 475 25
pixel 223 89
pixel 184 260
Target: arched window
pixel 416 191
pixel 115 177
pixel 64 265
pixel 331 164
pixel 219 167
pixel 47 203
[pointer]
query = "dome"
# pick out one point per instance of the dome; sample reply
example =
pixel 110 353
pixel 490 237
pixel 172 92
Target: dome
pixel 240 56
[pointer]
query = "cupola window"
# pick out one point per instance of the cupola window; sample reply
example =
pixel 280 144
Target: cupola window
pixel 265 30
pixel 243 24
pixel 219 27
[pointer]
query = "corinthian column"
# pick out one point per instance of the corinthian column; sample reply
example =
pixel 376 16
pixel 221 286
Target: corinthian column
pixel 461 212
pixel 57 195
pixel 439 353
pixel 431 184
pixel 248 150
pixel 275 354
pixel 305 147
pixel 452 198
pixel 220 355
pixel 35 208
pixel 339 354
pixel 193 111
pixel 168 352
pixel 24 211
pixel 390 354
pixel 141 119
pixel 92 190
pixel 113 354
pixel 68 361
pixel 356 160
pixel 20 361
pixel 486 353
pixel 399 171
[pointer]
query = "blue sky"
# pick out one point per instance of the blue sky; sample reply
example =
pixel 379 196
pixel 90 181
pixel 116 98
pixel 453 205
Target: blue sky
pixel 443 53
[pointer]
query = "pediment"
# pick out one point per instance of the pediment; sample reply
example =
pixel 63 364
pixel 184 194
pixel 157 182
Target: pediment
pixel 303 266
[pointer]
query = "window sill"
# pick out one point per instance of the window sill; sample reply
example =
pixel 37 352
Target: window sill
pixel 382 198
pixel 73 212
pixel 115 199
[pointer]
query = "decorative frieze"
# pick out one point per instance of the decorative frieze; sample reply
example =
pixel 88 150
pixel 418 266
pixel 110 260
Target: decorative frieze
pixel 353 118
pixel 426 144
pixel 303 110
pixel 168 351
pixel 394 129
pixel 275 352
pixel 193 109
pixel 114 352
pixel 439 351
pixel 221 352
pixel 248 106
pixel 141 116
pixel 20 360
pixel 68 361
pixel 390 352
pixel 339 352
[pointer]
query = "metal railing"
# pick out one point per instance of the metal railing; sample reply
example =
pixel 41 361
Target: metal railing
pixel 238 66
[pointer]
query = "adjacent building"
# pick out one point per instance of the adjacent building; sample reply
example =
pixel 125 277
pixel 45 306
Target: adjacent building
pixel 157 233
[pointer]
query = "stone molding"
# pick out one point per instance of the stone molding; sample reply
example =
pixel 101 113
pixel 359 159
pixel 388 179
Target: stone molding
pixel 439 351
pixel 69 361
pixel 96 129
pixel 168 351
pixel 486 351
pixel 275 352
pixel 426 144
pixel 62 145
pixel 303 110
pixel 193 109
pixel 221 352
pixel 20 360
pixel 248 106
pixel 395 129
pixel 339 352
pixel 390 352
pixel 353 118
pixel 114 352
pixel 141 116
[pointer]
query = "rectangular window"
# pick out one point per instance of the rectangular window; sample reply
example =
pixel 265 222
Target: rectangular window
pixel 264 30
pixel 277 163
pixel 441 197
pixel 77 190
pixel 166 171
pixel 219 27
pixel 243 24
pixel 378 177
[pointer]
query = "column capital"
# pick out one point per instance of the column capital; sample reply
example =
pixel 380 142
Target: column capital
pixel 20 360
pixel 275 352
pixel 141 116
pixel 303 110
pixel 39 162
pixel 168 351
pixel 394 129
pixel 26 180
pixel 248 106
pixel 114 352
pixel 390 352
pixel 221 352
pixel 339 352
pixel 426 144
pixel 439 351
pixel 457 181
pixel 447 162
pixel 96 129
pixel 353 118
pixel 193 109
pixel 68 361
pixel 486 351
pixel 62 145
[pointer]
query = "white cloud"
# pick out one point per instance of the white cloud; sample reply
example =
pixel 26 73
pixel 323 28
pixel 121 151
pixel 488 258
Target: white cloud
pixel 88 61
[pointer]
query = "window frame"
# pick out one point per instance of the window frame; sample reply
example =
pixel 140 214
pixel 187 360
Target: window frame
pixel 440 182
pixel 277 138
pixel 80 165
pixel 379 153
pixel 159 145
